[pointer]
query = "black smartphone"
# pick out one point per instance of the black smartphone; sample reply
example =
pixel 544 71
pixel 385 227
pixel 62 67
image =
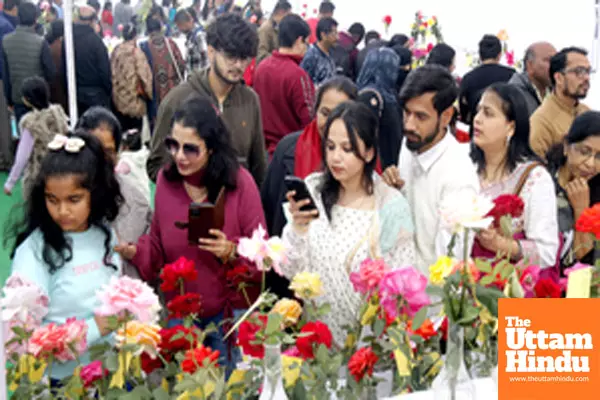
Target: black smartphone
pixel 293 183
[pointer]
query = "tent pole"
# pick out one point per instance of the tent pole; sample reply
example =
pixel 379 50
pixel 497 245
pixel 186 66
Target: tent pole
pixel 70 60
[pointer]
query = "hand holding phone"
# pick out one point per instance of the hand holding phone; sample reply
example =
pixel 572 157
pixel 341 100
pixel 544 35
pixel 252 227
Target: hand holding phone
pixel 302 205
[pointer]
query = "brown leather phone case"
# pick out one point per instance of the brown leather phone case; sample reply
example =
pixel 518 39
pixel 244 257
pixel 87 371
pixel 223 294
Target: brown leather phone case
pixel 203 217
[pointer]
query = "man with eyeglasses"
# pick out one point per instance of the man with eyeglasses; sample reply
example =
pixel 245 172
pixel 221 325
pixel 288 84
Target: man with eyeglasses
pixel 570 78
pixel 232 43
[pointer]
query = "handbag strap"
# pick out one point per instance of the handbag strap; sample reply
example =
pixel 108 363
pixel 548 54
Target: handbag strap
pixel 175 64
pixel 524 176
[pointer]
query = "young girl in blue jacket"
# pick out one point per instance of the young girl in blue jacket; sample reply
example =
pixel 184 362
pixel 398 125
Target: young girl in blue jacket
pixel 64 244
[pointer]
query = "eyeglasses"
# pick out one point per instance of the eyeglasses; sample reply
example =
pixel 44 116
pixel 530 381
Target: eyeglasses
pixel 579 72
pixel 189 150
pixel 587 152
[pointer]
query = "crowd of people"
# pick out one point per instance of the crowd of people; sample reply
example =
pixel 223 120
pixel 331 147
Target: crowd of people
pixel 251 101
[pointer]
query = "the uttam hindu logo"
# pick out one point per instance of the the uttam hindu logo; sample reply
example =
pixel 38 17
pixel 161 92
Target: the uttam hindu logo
pixel 523 342
pixel 548 349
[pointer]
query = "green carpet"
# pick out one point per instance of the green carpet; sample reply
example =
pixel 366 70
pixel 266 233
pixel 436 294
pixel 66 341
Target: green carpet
pixel 6 205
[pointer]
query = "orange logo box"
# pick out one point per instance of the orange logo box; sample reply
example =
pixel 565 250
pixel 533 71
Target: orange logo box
pixel 548 349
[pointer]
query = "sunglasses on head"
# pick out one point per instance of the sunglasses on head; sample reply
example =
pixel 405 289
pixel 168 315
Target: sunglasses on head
pixel 189 150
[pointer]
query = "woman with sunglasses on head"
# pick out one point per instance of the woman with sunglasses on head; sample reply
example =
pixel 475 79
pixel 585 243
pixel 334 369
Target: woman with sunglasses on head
pixel 203 162
pixel 575 165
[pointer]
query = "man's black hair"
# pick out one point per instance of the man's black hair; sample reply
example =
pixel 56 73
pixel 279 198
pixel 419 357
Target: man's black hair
pixel 182 16
pixel 28 14
pixel 325 27
pixel 357 29
pixel 153 25
pixel 489 47
pixel 399 39
pixel 10 4
pixel 372 35
pixel 558 62
pixel 326 7
pixel 232 35
pixel 431 78
pixel 291 28
pixel 282 5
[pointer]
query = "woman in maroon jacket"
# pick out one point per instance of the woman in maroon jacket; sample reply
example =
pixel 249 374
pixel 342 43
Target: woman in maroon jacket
pixel 203 163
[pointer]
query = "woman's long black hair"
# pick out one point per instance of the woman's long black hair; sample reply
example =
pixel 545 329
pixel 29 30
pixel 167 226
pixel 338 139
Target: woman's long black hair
pixel 584 126
pixel 361 123
pixel 514 108
pixel 95 173
pixel 221 171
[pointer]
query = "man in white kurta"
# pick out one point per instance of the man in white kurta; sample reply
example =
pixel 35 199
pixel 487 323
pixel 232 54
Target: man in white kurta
pixel 433 166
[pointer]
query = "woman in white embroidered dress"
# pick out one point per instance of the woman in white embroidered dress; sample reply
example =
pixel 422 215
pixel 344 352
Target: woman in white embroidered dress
pixel 507 165
pixel 359 216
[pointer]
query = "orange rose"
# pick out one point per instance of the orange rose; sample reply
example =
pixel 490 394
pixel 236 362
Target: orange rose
pixel 290 310
pixel 426 330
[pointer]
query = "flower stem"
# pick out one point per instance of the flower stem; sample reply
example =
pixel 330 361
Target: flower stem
pixel 246 296
pixel 264 280
pixel 50 362
pixel 181 286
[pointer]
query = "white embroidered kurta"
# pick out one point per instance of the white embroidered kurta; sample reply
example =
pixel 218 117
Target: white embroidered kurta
pixel 539 221
pixel 443 171
pixel 327 246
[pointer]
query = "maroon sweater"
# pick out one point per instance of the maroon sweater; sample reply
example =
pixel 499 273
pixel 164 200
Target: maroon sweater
pixel 165 243
pixel 287 96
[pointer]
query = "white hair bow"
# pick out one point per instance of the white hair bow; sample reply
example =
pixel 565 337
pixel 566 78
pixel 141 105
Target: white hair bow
pixel 70 144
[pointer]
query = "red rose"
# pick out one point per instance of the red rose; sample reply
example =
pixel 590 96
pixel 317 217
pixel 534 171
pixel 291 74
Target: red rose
pixel 314 11
pixel 303 15
pixel 195 359
pixel 589 221
pixel 184 305
pixel 182 342
pixel 238 275
pixel 362 362
pixel 429 47
pixel 173 275
pixel 150 364
pixel 246 337
pixel 425 24
pixel 320 334
pixel 547 288
pixel 304 5
pixel 506 204
pixel 387 20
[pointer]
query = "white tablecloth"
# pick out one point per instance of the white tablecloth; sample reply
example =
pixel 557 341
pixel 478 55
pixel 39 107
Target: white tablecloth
pixel 485 389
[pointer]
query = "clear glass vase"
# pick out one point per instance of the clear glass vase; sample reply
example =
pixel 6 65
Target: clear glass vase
pixel 453 381
pixel 272 388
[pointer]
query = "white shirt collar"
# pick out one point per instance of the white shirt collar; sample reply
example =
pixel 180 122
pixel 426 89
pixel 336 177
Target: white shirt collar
pixel 428 158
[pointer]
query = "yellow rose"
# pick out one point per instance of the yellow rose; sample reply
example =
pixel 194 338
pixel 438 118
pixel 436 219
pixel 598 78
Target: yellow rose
pixel 307 285
pixel 146 336
pixel 440 270
pixel 290 310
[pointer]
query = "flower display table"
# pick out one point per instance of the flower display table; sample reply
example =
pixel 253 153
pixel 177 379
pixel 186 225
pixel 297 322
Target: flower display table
pixel 486 389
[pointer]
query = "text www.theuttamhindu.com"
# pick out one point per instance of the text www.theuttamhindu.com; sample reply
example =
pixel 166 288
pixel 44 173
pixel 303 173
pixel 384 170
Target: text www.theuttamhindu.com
pixel 567 378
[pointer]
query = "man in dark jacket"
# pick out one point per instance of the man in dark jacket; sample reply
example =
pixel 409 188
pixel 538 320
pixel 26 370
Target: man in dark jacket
pixel 267 33
pixel 285 90
pixel 232 43
pixel 8 23
pixel 534 81
pixel 92 65
pixel 26 54
pixel 345 53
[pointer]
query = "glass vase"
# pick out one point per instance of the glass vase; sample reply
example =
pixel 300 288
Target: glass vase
pixel 272 388
pixel 453 381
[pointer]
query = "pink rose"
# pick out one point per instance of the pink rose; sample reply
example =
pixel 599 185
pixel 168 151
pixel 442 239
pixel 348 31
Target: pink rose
pixel 368 276
pixel 127 295
pixel 75 338
pixel 529 278
pixel 292 352
pixel 92 372
pixel 408 283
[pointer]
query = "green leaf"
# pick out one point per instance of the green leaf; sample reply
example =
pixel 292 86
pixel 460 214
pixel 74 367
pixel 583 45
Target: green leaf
pixel 273 324
pixel 486 280
pixel 324 309
pixel 505 273
pixel 435 291
pixel 469 315
pixel 489 298
pixel 419 318
pixel 299 391
pixel 378 327
pixel 322 355
pixel 483 265
pixel 111 362
pixel 160 394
